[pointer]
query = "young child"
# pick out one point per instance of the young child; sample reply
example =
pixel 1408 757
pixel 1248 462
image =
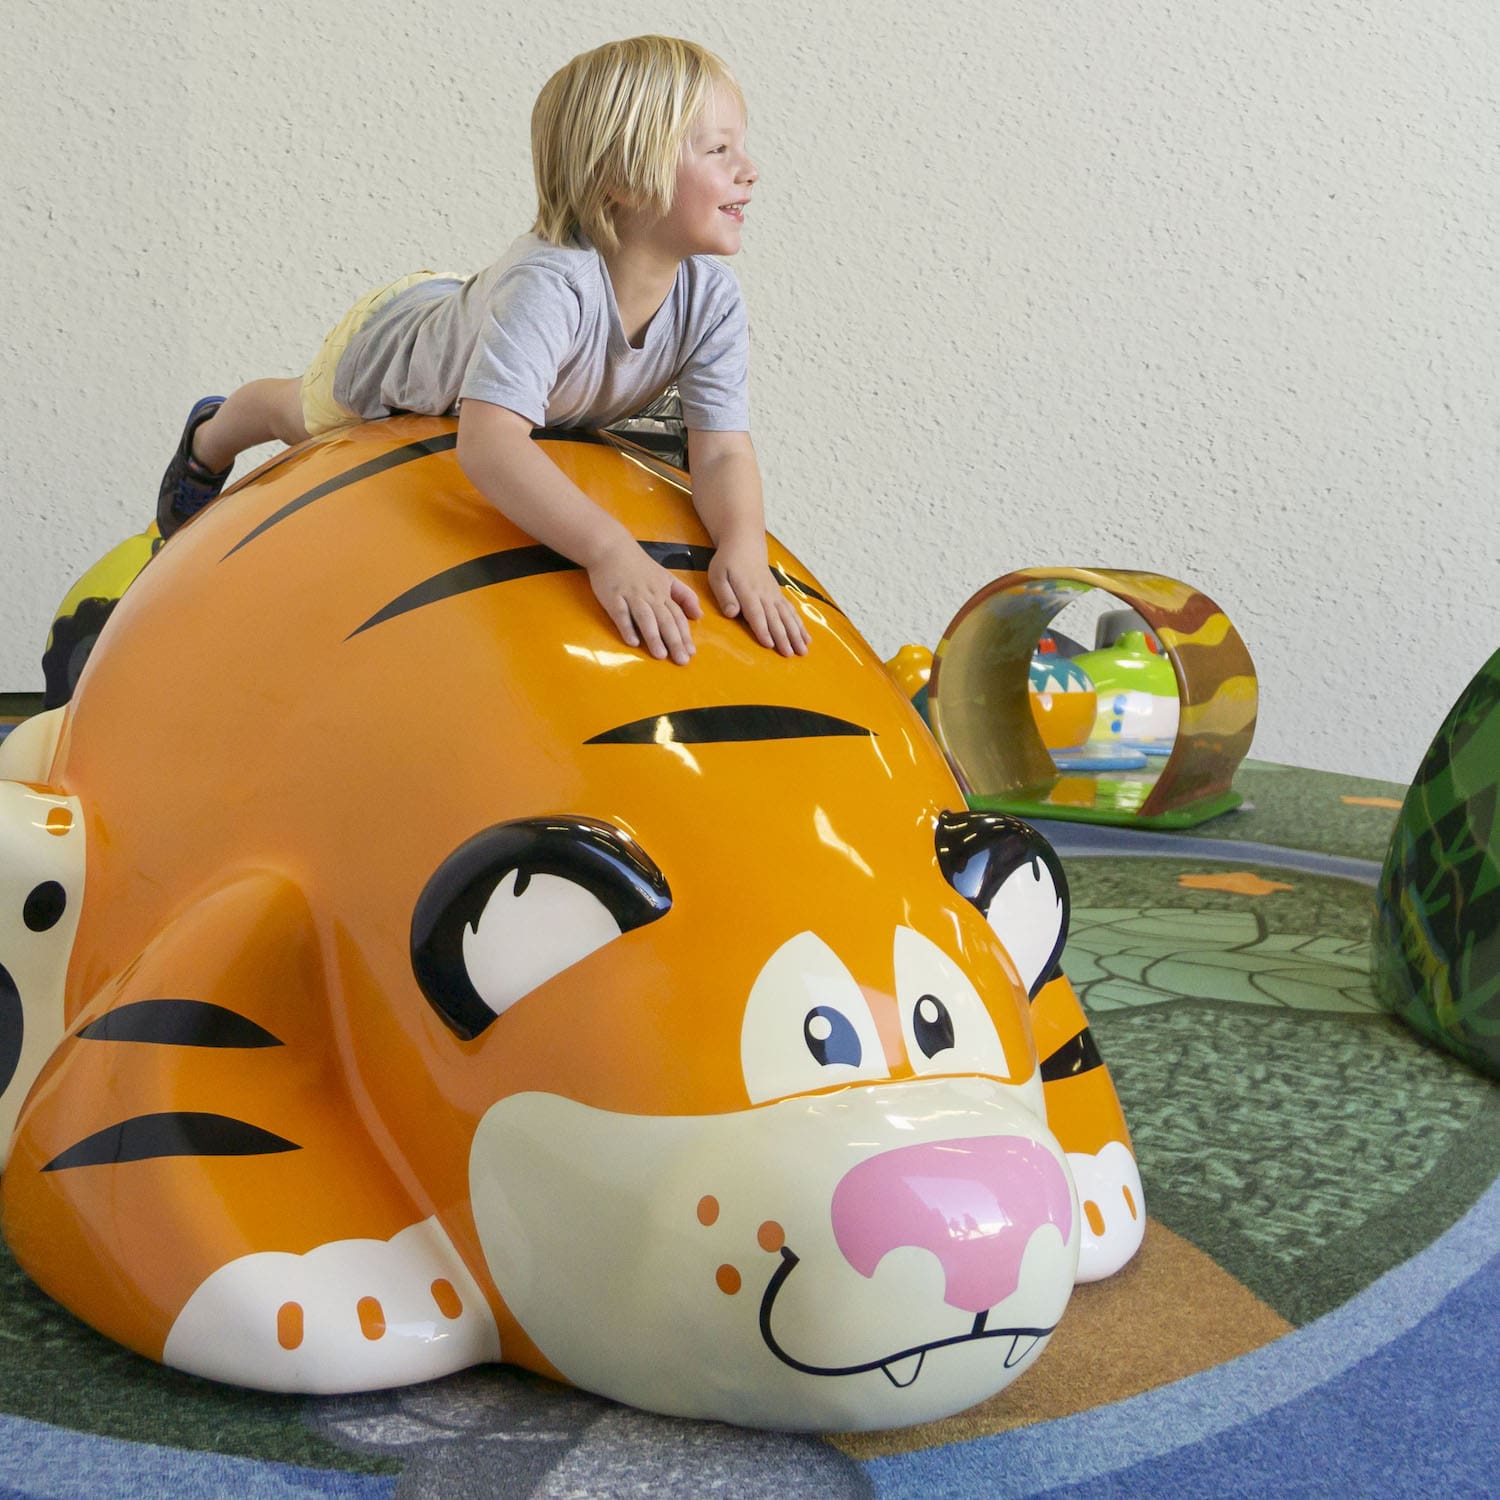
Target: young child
pixel 642 176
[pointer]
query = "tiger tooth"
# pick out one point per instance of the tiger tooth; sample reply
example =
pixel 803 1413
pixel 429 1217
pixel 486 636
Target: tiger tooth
pixel 1021 1346
pixel 902 1372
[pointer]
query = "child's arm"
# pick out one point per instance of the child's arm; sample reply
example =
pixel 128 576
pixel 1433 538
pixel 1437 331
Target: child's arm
pixel 727 496
pixel 646 603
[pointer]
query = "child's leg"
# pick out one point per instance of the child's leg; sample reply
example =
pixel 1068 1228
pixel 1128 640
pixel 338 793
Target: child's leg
pixel 259 412
pixel 216 433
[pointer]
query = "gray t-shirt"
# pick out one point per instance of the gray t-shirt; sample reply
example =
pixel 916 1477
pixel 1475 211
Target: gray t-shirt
pixel 538 332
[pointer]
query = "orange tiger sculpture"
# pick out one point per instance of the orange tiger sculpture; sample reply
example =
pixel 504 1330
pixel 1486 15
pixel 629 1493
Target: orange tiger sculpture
pixel 405 974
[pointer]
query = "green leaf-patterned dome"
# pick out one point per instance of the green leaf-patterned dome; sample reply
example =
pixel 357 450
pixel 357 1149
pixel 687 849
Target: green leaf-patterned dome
pixel 1436 934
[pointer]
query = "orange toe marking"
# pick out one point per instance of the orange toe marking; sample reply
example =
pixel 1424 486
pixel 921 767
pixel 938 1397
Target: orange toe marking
pixel 1095 1218
pixel 59 821
pixel 770 1236
pixel 371 1318
pixel 450 1304
pixel 728 1280
pixel 1130 1202
pixel 708 1209
pixel 289 1325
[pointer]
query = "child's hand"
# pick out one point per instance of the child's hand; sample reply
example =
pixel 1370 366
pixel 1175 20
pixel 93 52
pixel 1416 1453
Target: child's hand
pixel 648 605
pixel 743 584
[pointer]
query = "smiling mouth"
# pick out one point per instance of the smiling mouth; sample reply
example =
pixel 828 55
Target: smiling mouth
pixel 902 1366
pixel 736 211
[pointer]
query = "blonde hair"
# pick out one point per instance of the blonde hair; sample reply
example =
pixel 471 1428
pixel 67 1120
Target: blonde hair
pixel 612 124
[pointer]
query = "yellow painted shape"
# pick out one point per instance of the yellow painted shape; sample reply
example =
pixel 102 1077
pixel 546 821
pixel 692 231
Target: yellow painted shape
pixel 1212 632
pixel 1371 802
pixel 1157 589
pixel 114 572
pixel 1229 711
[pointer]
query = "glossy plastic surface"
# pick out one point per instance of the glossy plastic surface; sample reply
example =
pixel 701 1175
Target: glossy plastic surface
pixel 911 666
pixel 1137 694
pixel 85 609
pixel 1064 702
pixel 979 709
pixel 452 982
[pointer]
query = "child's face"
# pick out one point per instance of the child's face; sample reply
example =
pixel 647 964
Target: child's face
pixel 714 178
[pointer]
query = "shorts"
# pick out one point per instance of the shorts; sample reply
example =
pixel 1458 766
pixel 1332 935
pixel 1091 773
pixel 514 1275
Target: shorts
pixel 320 412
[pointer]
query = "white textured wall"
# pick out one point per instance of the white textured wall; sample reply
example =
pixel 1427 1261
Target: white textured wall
pixel 1205 288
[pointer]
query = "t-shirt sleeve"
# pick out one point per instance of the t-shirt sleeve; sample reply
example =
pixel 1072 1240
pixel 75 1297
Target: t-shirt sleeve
pixel 528 330
pixel 714 382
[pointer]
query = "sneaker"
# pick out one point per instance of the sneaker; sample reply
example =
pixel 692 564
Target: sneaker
pixel 187 486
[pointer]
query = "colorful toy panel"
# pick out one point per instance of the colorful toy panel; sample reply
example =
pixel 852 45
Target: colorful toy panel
pixel 401 973
pixel 1136 692
pixel 86 607
pixel 1064 702
pixel 979 709
pixel 1435 939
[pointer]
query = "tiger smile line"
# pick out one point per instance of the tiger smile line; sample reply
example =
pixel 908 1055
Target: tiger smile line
pixel 903 1367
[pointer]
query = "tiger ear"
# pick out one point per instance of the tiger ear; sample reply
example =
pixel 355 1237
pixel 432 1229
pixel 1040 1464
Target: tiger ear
pixel 1013 877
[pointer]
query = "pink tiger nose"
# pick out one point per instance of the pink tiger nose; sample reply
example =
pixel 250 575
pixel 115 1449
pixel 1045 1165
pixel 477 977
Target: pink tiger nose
pixel 974 1203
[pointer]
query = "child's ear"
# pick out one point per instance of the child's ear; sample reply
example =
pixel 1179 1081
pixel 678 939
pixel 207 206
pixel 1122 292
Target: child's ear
pixel 623 211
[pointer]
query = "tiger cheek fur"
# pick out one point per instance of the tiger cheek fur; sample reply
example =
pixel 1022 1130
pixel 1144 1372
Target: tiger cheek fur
pixel 386 830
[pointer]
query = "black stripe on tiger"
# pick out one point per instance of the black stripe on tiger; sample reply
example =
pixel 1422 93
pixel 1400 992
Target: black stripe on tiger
pixel 443 443
pixel 1081 1055
pixel 728 723
pixel 528 562
pixel 178 1023
pixel 177 1133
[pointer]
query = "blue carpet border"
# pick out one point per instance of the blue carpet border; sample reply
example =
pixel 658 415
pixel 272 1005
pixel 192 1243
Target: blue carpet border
pixel 1118 1443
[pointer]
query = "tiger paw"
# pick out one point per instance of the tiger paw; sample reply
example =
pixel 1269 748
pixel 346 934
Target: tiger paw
pixel 1114 1209
pixel 349 1315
